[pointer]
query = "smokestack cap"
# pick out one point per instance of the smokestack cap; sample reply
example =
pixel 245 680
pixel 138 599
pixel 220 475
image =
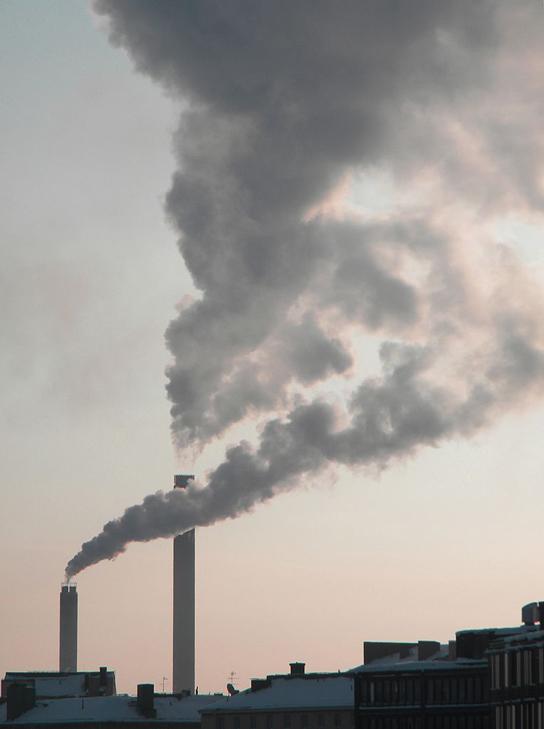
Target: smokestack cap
pixel 181 480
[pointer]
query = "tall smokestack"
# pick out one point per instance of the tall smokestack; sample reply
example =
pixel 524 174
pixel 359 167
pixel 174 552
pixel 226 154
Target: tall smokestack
pixel 183 671
pixel 68 629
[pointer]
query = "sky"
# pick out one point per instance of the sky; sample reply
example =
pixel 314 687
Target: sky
pixel 440 538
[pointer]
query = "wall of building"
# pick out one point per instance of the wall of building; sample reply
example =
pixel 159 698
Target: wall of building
pixel 423 699
pixel 280 719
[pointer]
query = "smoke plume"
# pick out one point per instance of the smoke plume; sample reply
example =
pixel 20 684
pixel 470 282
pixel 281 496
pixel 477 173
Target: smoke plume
pixel 289 109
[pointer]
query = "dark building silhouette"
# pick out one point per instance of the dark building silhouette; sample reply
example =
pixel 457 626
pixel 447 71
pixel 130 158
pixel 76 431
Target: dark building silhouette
pixel 423 689
pixel 490 678
pixel 516 673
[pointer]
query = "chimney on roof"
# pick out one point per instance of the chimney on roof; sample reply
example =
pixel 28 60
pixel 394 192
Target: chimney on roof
pixel 533 613
pixel 20 698
pixel 145 700
pixel 297 669
pixel 426 649
pixel 103 680
pixel 259 683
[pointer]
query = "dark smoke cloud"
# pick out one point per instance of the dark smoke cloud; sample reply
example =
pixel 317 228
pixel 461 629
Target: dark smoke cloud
pixel 390 417
pixel 284 102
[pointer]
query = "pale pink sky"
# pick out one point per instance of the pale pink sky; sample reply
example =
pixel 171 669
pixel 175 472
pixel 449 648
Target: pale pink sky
pixel 91 276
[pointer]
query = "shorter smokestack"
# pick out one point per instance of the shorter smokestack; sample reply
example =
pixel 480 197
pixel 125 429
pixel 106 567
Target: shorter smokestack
pixel 68 629
pixel 181 480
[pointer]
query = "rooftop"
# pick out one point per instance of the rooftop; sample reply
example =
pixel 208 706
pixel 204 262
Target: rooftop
pixel 49 684
pixel 333 692
pixel 410 665
pixel 111 709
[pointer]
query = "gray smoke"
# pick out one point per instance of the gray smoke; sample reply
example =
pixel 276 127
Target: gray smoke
pixel 285 105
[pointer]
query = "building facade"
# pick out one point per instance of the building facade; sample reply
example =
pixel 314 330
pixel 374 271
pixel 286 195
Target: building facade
pixel 516 673
pixel 439 694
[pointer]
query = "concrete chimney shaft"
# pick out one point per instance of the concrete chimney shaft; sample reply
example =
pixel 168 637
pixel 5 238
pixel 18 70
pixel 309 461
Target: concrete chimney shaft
pixel 184 606
pixel 68 629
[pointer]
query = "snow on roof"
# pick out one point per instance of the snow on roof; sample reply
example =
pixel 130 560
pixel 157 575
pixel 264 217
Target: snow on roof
pixel 536 636
pixel 49 684
pixel 429 665
pixel 73 685
pixel 293 693
pixel 112 708
pixel 441 654
pixel 519 629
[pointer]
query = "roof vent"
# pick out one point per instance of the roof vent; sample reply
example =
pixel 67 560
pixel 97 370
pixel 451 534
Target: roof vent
pixel 259 683
pixel 297 669
pixel 532 613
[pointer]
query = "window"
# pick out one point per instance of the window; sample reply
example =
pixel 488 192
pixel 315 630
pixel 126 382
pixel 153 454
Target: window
pixel 478 690
pixel 387 692
pixel 506 661
pixel 438 688
pixel 470 690
pixel 527 669
pixel 454 686
pixel 409 691
pixel 495 671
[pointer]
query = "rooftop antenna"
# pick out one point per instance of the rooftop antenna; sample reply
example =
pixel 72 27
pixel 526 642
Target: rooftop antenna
pixel 232 678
